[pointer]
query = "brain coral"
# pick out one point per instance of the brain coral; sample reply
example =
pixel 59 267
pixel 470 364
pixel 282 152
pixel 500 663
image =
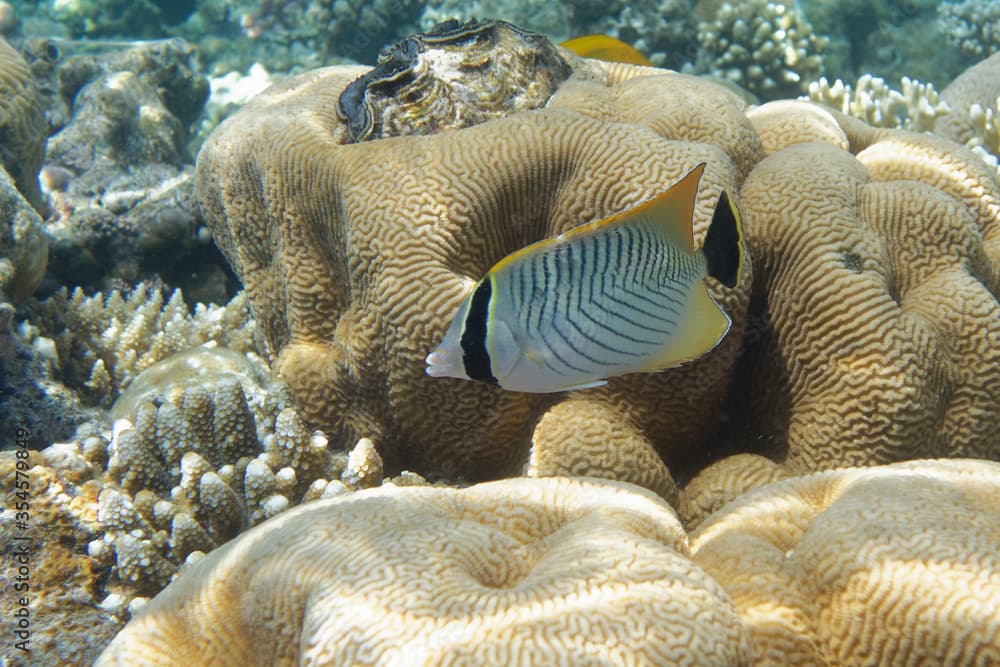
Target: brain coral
pixel 23 129
pixel 521 571
pixel 356 256
pixel 895 565
pixel 878 335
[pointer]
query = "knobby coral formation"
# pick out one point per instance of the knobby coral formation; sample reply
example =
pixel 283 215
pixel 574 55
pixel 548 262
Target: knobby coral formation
pixel 356 256
pixel 896 565
pixel 878 255
pixel 205 448
pixel 971 25
pixel 519 571
pixel 767 47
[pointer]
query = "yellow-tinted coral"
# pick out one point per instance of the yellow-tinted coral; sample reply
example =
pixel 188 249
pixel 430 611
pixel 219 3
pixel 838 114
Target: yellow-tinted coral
pixel 356 256
pixel 523 571
pixel 893 565
pixel 879 269
pixel 724 480
pixel 23 129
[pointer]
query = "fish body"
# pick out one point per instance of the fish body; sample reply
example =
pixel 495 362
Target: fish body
pixel 603 47
pixel 625 294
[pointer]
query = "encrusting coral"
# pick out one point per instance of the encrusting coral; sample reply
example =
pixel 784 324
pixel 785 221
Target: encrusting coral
pixel 379 241
pixel 526 571
pixel 893 565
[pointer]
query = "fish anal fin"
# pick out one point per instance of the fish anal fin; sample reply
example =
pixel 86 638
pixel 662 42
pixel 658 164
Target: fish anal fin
pixel 702 328
pixel 585 385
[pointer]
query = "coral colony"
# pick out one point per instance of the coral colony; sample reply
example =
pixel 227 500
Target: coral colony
pixel 231 236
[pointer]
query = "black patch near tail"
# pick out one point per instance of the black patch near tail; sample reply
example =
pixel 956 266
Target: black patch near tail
pixel 724 243
pixel 475 358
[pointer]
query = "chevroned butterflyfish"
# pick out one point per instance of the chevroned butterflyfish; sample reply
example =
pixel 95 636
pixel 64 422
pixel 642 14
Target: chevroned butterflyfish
pixel 625 294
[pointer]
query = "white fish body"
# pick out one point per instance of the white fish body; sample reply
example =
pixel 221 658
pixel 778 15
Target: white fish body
pixel 621 295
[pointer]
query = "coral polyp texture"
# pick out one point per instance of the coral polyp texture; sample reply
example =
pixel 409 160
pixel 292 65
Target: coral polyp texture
pixel 508 572
pixel 767 47
pixel 893 565
pixel 879 267
pixel 23 130
pixel 356 255
pixel 971 25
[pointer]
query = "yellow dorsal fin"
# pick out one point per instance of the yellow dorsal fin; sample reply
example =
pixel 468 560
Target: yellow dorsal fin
pixel 603 47
pixel 703 327
pixel 673 209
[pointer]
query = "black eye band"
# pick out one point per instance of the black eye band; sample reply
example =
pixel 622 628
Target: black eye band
pixel 474 355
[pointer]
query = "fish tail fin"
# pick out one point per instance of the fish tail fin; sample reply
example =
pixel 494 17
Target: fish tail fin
pixel 724 248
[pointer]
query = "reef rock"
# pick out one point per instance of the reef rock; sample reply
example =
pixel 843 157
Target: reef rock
pixel 117 174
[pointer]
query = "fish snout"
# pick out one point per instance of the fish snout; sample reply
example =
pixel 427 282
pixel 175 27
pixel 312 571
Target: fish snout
pixel 444 362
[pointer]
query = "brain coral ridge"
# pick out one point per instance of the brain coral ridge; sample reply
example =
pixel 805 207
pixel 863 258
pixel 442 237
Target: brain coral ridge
pixel 892 565
pixel 878 258
pixel 521 571
pixel 356 256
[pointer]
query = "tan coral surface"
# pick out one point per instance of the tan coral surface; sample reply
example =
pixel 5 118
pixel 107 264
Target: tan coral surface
pixel 879 269
pixel 23 130
pixel 356 256
pixel 893 565
pixel 521 571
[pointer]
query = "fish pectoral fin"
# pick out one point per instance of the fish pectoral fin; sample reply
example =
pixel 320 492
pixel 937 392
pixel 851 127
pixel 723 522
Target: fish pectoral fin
pixel 503 348
pixel 702 328
pixel 585 385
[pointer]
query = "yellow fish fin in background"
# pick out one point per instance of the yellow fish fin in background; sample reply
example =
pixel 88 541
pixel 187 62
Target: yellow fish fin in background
pixel 702 328
pixel 606 48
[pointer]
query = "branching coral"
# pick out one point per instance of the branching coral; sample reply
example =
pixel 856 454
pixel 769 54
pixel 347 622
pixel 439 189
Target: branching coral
pixel 974 98
pixel 105 340
pixel 915 107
